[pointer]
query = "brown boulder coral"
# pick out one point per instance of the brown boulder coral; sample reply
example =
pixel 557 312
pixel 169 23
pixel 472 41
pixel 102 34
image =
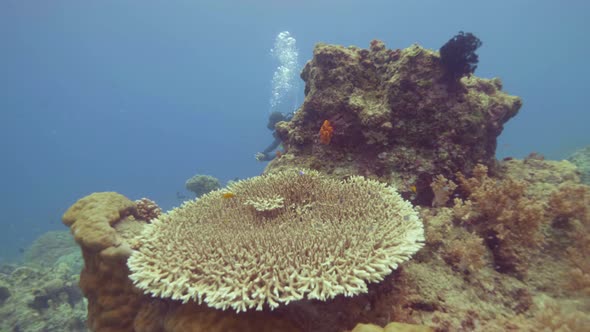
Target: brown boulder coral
pixel 101 225
pixel 277 238
pixel 392 116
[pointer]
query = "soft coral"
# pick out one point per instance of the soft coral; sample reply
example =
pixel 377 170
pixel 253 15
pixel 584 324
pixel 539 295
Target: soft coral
pixel 458 56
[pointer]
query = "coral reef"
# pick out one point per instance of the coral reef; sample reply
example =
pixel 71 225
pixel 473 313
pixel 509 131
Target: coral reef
pixel 581 158
pixel 270 243
pixel 506 244
pixel 4 292
pixel 392 118
pixel 442 189
pixel 535 264
pixel 50 247
pixel 41 298
pixel 541 176
pixel 454 283
pixel 202 184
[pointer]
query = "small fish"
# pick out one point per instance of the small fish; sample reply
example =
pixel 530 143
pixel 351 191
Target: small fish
pixel 228 194
pixel 279 153
pixel 413 189
pixel 301 172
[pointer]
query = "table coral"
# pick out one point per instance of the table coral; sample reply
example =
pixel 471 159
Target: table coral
pixel 270 244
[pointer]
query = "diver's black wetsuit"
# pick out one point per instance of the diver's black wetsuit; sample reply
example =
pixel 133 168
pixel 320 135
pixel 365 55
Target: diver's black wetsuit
pixel 274 118
pixel 269 149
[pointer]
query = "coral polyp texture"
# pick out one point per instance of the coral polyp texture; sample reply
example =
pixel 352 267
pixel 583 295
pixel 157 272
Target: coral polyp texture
pixel 393 115
pixel 281 237
pixel 147 209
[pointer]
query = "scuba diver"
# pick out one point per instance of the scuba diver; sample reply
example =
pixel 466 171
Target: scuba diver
pixel 273 119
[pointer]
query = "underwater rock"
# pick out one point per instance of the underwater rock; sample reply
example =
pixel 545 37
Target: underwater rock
pixel 392 116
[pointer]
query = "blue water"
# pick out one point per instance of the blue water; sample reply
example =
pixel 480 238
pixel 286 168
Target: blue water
pixel 138 96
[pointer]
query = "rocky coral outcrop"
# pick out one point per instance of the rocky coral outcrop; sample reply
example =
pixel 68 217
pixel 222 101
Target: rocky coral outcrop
pixel 393 116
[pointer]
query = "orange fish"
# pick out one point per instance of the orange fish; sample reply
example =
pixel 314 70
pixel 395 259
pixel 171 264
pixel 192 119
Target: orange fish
pixel 228 194
pixel 413 189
